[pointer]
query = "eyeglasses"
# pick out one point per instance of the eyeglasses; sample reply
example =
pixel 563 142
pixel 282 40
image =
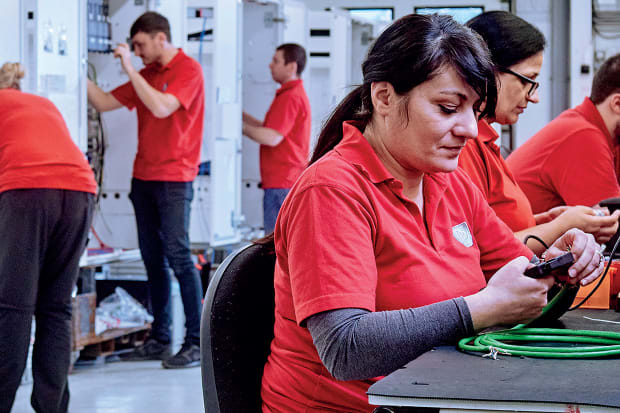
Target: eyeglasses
pixel 533 84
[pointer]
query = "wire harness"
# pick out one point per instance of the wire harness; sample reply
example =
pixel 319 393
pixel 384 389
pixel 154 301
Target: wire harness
pixel 567 343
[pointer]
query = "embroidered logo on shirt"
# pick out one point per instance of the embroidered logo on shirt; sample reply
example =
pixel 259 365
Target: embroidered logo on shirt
pixel 462 234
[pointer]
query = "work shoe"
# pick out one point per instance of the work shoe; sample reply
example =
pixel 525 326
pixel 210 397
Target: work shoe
pixel 188 356
pixel 151 350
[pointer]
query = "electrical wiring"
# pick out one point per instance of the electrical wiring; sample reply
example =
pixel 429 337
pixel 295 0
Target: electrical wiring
pixel 537 238
pixel 598 344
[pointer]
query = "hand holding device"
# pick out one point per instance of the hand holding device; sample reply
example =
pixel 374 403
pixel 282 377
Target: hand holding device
pixel 557 266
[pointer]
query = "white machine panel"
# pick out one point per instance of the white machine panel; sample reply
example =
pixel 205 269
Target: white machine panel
pixel 10 30
pixel 295 28
pixel 260 39
pixel 329 63
pixel 225 214
pixel 53 53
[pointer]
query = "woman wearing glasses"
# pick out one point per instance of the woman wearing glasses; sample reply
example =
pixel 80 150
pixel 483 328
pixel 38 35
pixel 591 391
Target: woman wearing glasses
pixel 517 51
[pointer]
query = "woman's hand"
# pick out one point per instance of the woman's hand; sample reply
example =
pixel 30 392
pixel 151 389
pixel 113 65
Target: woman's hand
pixel 590 220
pixel 510 297
pixel 550 215
pixel 586 252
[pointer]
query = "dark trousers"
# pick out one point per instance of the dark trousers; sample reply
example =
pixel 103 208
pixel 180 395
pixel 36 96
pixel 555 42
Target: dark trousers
pixel 43 232
pixel 162 215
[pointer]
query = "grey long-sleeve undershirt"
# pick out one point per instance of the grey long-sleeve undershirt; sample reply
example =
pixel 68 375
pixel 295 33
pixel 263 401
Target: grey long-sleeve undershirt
pixel 356 344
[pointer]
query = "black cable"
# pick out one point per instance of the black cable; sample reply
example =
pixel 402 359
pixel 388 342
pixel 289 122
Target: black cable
pixel 527 238
pixel 101 144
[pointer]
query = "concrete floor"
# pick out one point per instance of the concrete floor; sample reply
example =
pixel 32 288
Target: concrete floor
pixel 128 387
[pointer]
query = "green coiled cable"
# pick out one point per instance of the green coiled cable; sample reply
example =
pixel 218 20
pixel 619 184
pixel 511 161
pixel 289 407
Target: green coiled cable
pixel 600 343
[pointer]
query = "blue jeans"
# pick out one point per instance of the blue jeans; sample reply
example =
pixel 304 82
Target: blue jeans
pixel 162 216
pixel 272 202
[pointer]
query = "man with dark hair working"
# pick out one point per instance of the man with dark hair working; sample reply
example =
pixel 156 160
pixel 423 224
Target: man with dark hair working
pixel 168 94
pixel 571 161
pixel 284 135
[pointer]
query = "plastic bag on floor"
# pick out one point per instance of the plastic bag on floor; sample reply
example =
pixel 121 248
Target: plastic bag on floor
pixel 120 310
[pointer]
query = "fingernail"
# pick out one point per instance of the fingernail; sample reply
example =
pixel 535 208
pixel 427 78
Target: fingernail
pixel 571 273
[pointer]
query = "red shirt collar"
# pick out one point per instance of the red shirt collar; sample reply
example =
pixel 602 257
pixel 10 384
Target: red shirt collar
pixel 589 111
pixel 289 85
pixel 486 133
pixel 355 149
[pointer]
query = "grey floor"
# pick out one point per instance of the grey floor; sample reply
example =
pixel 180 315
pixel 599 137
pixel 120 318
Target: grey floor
pixel 128 387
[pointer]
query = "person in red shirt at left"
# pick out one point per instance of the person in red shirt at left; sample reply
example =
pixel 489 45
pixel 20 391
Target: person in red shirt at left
pixel 168 94
pixel 47 194
pixel 284 135
pixel 518 54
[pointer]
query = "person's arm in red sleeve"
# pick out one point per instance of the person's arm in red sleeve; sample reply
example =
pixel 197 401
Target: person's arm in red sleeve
pixel 581 169
pixel 278 123
pixel 470 161
pixel 102 101
pixel 251 120
pixel 262 135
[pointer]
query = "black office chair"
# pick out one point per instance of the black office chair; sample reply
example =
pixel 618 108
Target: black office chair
pixel 237 329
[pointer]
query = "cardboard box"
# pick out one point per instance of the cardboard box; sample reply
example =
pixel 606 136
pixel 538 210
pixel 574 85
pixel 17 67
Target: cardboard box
pixel 83 319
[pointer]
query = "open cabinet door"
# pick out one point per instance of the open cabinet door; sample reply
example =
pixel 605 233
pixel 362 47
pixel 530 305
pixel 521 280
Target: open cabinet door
pixel 225 145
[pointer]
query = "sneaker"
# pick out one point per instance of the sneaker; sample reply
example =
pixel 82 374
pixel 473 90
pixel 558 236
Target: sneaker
pixel 188 356
pixel 151 350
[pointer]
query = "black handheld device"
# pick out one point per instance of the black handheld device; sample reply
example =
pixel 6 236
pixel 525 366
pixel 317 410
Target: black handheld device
pixel 554 266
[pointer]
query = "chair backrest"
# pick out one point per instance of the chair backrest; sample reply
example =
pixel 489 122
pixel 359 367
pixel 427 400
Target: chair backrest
pixel 237 330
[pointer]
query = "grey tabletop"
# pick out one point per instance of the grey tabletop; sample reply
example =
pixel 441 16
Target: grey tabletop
pixel 447 373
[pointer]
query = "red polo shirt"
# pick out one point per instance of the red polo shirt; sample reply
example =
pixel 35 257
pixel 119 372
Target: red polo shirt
pixel 568 162
pixel 169 148
pixel 346 237
pixel 289 114
pixel 483 162
pixel 36 150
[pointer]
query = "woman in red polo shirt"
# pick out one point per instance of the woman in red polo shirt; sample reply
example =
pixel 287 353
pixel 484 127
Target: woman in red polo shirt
pixel 46 204
pixel 382 250
pixel 517 51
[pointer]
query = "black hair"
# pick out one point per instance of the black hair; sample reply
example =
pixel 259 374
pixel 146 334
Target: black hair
pixel 293 52
pixel 606 80
pixel 151 23
pixel 510 39
pixel 412 50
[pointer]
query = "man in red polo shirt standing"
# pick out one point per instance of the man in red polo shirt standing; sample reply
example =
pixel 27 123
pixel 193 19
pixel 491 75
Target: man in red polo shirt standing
pixel 571 161
pixel 284 136
pixel 168 94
